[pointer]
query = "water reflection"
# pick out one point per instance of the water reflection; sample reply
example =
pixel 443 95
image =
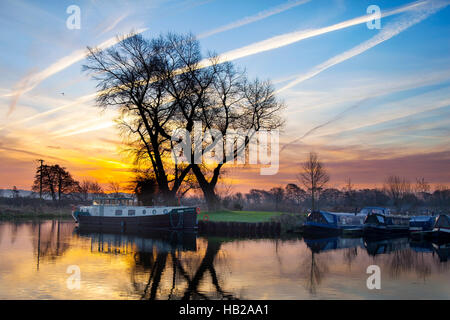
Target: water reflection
pixel 34 257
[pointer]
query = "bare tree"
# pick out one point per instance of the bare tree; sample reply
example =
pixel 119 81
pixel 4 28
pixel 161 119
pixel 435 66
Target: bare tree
pixel 295 193
pixel 129 77
pixel 165 83
pixel 114 187
pixel 90 187
pixel 397 188
pixel 421 186
pixel 55 181
pixel 313 176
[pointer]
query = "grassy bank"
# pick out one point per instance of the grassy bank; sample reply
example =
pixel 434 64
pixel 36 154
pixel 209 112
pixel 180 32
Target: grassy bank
pixel 28 212
pixel 239 216
pixel 289 222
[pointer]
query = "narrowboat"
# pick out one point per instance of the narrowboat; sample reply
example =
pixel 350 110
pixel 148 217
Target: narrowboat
pixel 320 223
pixel 382 223
pixel 123 214
pixel 368 210
pixel 441 230
pixel 421 223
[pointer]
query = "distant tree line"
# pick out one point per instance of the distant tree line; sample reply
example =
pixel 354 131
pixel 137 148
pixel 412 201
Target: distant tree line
pixel 292 198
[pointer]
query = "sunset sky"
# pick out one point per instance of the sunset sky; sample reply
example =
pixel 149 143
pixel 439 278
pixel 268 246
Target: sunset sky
pixel 370 102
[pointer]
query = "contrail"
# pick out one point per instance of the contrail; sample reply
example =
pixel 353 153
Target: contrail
pixel 391 30
pixel 387 33
pixel 31 81
pixel 283 40
pixel 335 118
pixel 292 37
pixel 259 16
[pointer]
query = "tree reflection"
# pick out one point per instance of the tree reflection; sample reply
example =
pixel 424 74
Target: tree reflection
pixel 173 267
pixel 315 268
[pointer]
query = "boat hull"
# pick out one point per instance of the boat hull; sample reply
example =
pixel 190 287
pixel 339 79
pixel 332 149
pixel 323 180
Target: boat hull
pixel 172 221
pixel 381 230
pixel 319 230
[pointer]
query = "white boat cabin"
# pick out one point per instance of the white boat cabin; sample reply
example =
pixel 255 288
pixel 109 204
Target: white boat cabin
pixel 123 207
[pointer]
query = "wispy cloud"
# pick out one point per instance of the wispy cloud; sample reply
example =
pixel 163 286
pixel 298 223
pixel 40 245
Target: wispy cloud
pixel 31 81
pixel 257 17
pixel 293 37
pixel 389 31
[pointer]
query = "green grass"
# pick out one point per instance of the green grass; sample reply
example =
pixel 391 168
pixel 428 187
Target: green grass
pixel 238 216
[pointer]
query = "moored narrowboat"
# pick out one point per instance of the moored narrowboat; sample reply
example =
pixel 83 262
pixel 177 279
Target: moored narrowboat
pixel 441 230
pixel 379 224
pixel 122 214
pixel 331 223
pixel 421 223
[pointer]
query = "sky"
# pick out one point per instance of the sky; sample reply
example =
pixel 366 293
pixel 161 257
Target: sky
pixel 371 102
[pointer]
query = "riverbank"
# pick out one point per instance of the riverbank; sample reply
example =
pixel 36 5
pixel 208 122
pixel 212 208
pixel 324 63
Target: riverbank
pixel 29 212
pixel 288 221
pixel 238 216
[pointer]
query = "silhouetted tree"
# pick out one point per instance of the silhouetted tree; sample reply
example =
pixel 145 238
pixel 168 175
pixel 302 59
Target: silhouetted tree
pixel 313 176
pixel 397 189
pixel 165 83
pixel 56 182
pixel 90 187
pixel 145 187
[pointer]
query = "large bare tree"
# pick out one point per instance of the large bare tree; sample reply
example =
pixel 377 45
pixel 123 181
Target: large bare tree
pixel 165 84
pixel 129 78
pixel 313 176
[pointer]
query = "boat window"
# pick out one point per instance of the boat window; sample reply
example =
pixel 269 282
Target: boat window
pixel 165 211
pixel 380 219
pixel 316 217
pixel 118 212
pixel 328 217
pixel 154 211
pixel 131 212
pixel 144 212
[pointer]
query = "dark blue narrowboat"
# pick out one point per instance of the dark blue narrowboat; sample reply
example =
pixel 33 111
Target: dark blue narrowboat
pixel 441 230
pixel 378 223
pixel 421 223
pixel 322 223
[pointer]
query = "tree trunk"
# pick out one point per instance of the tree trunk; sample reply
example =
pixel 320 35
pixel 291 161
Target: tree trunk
pixel 208 188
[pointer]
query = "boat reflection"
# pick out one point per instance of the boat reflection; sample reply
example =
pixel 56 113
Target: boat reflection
pixel 317 245
pixel 384 246
pixel 160 253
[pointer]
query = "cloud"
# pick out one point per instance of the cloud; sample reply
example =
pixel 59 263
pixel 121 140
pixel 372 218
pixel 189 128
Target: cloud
pixel 257 17
pixel 335 118
pixel 31 81
pixel 389 31
pixel 79 100
pixel 292 37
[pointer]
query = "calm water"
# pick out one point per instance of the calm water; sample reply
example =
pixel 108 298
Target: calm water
pixel 35 258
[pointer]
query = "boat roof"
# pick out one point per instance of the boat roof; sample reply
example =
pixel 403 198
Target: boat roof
pixel 114 198
pixel 338 213
pixel 422 218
